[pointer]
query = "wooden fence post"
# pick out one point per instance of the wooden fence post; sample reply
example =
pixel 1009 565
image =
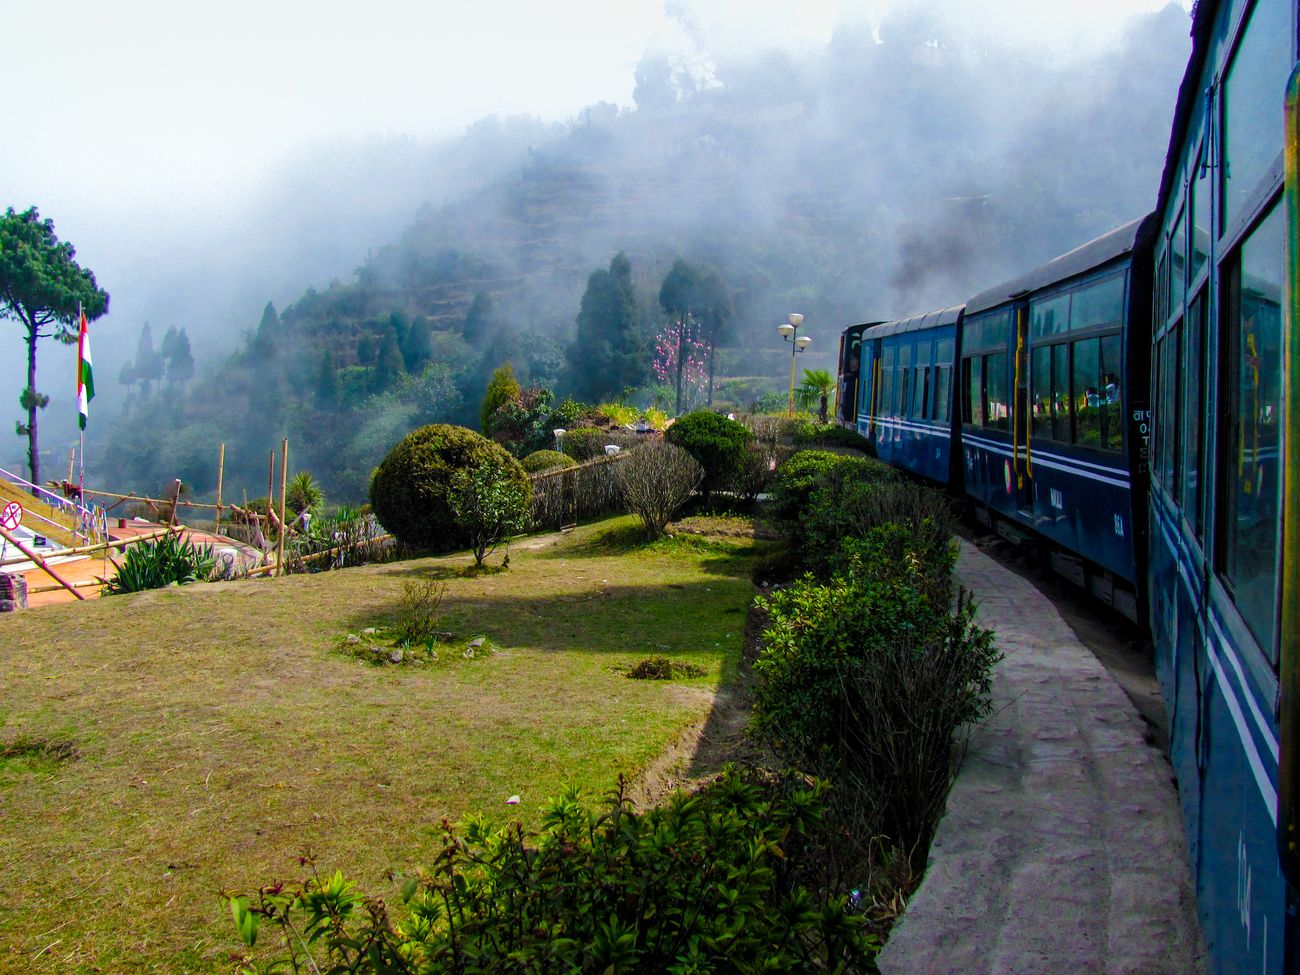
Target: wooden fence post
pixel 284 474
pixel 221 470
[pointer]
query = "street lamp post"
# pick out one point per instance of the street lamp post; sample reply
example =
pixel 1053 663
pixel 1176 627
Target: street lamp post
pixel 798 343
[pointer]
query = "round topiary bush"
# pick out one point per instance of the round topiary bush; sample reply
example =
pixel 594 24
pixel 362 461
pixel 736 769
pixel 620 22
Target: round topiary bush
pixel 409 489
pixel 546 460
pixel 717 444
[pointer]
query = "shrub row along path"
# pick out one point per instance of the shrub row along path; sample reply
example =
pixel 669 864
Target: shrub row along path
pixel 1062 848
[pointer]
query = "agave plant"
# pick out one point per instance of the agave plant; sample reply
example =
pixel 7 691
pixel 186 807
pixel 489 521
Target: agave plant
pixel 162 562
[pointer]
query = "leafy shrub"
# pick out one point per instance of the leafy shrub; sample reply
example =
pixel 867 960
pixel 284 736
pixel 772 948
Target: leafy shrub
pixel 772 404
pixel 568 413
pixel 546 460
pixel 704 883
pixel 754 474
pixel 616 414
pixel 870 681
pixel 170 560
pixel 419 611
pixel 524 423
pixel 829 435
pixel 409 489
pixel 718 444
pixel 655 419
pixel 655 480
pixel 490 503
pixel 661 668
pixel 588 443
pixel 800 473
pixel 846 505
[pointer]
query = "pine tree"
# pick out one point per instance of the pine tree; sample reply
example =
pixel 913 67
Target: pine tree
pixel 481 323
pixel 610 351
pixel 388 366
pixel 267 334
pixel 502 388
pixel 175 350
pixel 327 380
pixel 148 365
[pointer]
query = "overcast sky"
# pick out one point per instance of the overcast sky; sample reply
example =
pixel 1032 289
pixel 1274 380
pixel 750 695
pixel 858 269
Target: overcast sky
pixel 110 105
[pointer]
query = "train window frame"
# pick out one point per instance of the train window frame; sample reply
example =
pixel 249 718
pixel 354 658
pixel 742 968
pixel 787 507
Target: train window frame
pixel 1238 212
pixel 1227 502
pixel 1200 189
pixel 1193 441
pixel 1002 423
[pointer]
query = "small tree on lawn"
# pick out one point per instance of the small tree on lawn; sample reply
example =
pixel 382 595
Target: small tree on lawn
pixel 655 480
pixel 817 387
pixel 489 505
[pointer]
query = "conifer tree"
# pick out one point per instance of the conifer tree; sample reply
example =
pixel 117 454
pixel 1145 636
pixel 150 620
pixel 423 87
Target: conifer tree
pixel 502 388
pixel 610 351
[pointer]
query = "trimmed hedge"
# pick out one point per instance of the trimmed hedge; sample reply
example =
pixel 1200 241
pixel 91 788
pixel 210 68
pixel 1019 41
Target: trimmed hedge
pixel 546 460
pixel 719 446
pixel 409 488
pixel 801 472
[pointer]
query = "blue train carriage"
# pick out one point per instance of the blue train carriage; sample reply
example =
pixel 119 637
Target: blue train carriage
pixel 1223 576
pixel 1223 541
pixel 905 405
pixel 1054 414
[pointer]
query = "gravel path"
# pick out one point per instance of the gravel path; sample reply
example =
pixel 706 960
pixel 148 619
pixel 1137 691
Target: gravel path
pixel 1062 849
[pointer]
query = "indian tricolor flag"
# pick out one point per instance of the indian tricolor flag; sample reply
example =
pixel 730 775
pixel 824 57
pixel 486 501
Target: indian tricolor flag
pixel 85 376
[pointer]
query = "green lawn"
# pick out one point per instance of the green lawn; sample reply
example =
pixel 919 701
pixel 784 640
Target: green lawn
pixel 219 732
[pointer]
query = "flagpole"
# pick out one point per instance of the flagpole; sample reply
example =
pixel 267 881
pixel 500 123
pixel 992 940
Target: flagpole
pixel 81 433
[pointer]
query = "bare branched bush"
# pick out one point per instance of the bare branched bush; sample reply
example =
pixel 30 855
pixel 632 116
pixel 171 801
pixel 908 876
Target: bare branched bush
pixel 419 611
pixel 655 480
pixel 755 473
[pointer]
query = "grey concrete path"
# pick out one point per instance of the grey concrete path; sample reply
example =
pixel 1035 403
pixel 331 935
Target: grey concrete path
pixel 1062 849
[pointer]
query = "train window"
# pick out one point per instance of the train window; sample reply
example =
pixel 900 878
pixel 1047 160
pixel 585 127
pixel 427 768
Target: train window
pixel 921 396
pixel 1199 217
pixel 1177 266
pixel 972 379
pixel 1251 441
pixel 1161 309
pixel 1062 421
pixel 1252 104
pixel 1049 316
pixel 1087 392
pixel 1167 431
pixel 1194 412
pixel 942 376
pixel 997 410
pixel 1040 384
pixel 1111 406
pixel 904 375
pixel 1099 303
pixel 888 380
pixel 868 378
pixel 943 351
pixel 996 331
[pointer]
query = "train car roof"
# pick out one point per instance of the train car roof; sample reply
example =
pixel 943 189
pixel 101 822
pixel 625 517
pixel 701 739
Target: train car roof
pixel 1081 260
pixel 932 319
pixel 1203 15
pixel 860 327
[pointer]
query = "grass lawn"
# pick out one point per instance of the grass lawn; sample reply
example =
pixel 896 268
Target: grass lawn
pixel 157 749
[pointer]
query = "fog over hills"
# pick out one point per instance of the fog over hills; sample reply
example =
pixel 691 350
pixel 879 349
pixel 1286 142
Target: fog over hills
pixel 889 170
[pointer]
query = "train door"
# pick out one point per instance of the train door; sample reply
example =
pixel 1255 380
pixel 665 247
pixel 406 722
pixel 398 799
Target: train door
pixel 1022 463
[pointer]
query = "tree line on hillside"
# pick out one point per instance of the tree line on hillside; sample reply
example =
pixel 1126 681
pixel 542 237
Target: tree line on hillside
pixel 346 373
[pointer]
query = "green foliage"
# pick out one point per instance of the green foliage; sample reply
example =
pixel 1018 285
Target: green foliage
pixel 754 473
pixel 588 443
pixel 546 460
pixel 610 350
pixel 655 419
pixel 661 668
pixel 870 680
pixel 846 505
pixel 490 502
pixel 170 560
pixel 816 388
pixel 502 388
pixel 800 473
pixel 302 493
pixel 719 446
pixel 616 414
pixel 523 424
pixel 706 883
pixel 568 413
pixel 808 432
pixel 410 488
pixel 772 404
